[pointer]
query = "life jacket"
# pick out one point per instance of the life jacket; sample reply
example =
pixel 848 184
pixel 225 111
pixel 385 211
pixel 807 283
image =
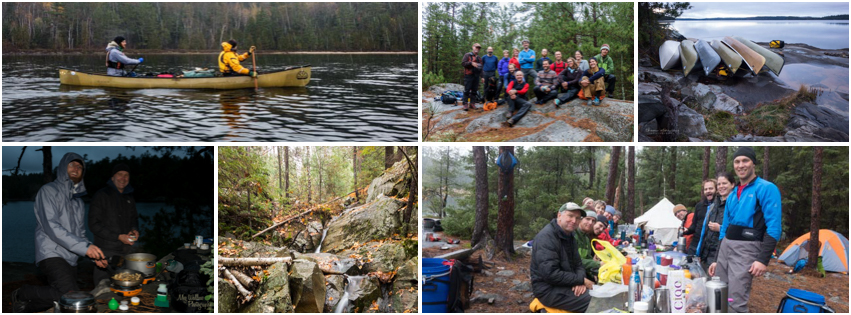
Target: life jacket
pixel 114 65
pixel 777 44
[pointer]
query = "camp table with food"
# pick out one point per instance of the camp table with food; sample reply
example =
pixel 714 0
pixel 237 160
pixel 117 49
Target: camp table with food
pixel 146 284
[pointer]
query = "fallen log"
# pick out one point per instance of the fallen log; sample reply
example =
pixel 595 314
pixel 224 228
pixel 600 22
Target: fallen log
pixel 282 222
pixel 256 261
pixel 245 293
pixel 244 279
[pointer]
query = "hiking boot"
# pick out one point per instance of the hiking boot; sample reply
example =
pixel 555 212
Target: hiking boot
pixel 556 102
pixel 590 102
pixel 18 306
pixel 510 122
pixel 465 108
pixel 596 101
pixel 507 115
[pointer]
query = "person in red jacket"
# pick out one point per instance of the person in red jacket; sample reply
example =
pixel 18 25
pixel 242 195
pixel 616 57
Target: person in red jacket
pixel 559 65
pixel 601 229
pixel 682 213
pixel 517 97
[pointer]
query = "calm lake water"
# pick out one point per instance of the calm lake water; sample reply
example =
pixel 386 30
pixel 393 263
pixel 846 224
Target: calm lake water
pixel 826 34
pixel 349 98
pixel 19 227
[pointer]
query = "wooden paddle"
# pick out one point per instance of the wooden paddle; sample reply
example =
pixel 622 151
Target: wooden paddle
pixel 254 65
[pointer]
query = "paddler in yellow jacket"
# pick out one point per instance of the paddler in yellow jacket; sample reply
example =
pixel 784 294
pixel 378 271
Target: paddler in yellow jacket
pixel 229 60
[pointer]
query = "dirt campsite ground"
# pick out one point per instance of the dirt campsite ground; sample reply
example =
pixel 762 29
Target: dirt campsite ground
pixel 766 294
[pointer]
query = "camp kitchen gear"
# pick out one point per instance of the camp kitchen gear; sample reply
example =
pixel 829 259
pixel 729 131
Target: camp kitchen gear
pixel 199 240
pixel 76 302
pixel 127 288
pixel 772 60
pixel 669 57
pixel 716 295
pixel 801 301
pixel 663 299
pixel 709 59
pixel 688 56
pixel 677 287
pixel 752 59
pixel 731 59
pixel 135 301
pixel 641 307
pixel 144 263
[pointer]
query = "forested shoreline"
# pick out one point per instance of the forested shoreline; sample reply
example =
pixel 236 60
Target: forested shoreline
pixel 374 26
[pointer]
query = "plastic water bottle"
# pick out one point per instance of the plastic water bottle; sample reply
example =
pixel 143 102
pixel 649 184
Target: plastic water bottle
pixel 634 289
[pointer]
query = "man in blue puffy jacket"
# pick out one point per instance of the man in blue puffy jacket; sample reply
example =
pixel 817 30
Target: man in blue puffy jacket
pixel 751 228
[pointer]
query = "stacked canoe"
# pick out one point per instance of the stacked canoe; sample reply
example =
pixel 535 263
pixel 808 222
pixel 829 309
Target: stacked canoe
pixel 732 51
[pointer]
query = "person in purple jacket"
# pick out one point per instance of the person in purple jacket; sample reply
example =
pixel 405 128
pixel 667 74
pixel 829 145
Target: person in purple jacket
pixel 502 69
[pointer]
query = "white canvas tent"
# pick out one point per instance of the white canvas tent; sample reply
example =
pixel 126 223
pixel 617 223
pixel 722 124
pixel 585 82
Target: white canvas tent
pixel 662 221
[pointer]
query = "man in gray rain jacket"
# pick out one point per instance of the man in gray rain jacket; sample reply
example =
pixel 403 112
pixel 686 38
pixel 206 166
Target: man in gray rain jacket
pixel 116 61
pixel 60 237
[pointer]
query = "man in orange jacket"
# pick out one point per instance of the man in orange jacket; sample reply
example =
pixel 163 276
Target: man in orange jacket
pixel 229 60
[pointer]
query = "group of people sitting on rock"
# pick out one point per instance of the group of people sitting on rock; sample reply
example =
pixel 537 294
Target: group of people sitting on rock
pixel 562 80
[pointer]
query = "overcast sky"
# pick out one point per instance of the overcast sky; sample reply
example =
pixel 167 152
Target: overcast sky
pixel 31 162
pixel 703 10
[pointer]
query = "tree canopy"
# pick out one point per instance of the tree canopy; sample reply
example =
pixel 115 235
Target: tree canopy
pixel 451 28
pixel 287 26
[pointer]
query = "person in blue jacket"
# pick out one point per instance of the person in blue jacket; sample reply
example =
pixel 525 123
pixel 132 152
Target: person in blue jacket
pixel 489 65
pixel 527 62
pixel 749 232
pixel 502 69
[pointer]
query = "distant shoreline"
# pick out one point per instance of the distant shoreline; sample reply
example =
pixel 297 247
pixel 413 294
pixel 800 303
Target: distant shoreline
pixel 48 52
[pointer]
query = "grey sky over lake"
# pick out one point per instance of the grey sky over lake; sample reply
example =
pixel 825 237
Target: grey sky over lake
pixel 703 10
pixel 31 161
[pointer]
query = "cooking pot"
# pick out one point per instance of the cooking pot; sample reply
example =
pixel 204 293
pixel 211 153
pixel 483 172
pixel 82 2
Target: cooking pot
pixel 141 262
pixel 127 283
pixel 77 302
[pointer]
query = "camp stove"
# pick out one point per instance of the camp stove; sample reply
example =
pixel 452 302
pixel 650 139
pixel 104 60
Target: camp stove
pixel 126 291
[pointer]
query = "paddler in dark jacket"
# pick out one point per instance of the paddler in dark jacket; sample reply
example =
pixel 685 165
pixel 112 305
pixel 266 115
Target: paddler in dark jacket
pixel 558 278
pixel 115 58
pixel 113 218
pixel 229 60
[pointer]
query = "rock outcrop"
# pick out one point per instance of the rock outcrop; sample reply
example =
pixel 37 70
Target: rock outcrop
pixel 571 122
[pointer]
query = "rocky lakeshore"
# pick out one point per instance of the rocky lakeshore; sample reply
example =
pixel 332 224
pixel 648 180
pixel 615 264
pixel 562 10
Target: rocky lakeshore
pixel 764 108
pixel 612 121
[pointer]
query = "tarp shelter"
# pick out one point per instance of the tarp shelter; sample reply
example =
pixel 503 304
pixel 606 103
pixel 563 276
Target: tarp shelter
pixel 662 221
pixel 833 251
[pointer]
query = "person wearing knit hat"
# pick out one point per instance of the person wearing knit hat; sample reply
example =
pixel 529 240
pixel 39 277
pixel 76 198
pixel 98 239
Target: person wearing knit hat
pixel 749 232
pixel 607 63
pixel 555 255
pixel 116 60
pixel 113 218
pixel 680 211
pixel 583 235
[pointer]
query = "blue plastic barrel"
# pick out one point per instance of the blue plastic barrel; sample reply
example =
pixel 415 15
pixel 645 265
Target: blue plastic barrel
pixel 435 291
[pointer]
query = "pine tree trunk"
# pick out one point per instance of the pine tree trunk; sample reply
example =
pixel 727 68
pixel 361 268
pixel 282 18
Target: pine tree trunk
pixel 505 219
pixel 591 167
pixel 47 163
pixel 480 230
pixel 611 183
pixel 355 170
pixel 765 163
pixel 721 159
pixel 816 208
pixel 630 195
pixel 287 171
pixel 280 181
pixel 707 152
pixel 672 179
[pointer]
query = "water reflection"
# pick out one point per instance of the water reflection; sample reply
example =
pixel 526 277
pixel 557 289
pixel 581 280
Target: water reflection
pixel 349 98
